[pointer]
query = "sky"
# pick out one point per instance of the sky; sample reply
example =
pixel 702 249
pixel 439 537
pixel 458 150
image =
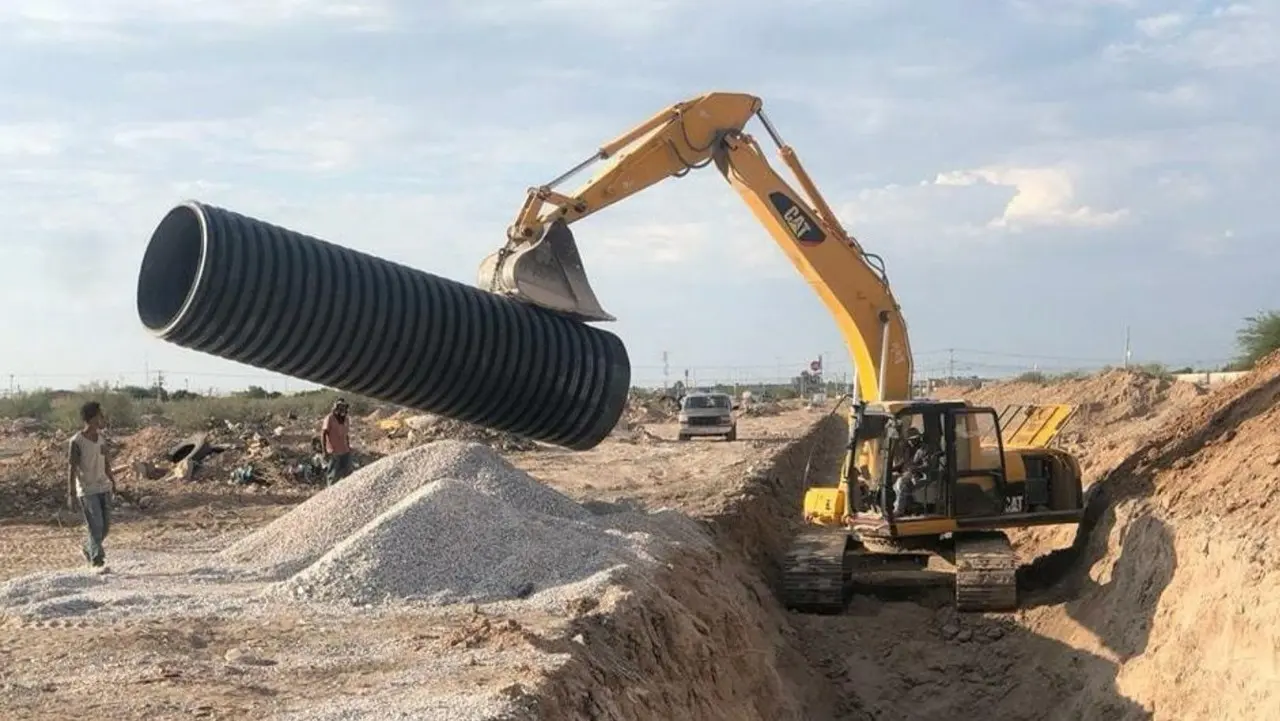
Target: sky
pixel 1041 178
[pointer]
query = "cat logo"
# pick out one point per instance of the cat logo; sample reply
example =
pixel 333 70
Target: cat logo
pixel 804 228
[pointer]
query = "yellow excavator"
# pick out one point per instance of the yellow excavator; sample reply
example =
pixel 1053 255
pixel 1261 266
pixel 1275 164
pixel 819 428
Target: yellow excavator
pixel 926 486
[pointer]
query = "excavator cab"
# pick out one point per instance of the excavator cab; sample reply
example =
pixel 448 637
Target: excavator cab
pixel 547 272
pixel 950 463
pixel 927 461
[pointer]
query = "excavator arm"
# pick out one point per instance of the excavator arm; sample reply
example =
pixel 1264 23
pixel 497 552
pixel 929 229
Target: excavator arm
pixel 540 263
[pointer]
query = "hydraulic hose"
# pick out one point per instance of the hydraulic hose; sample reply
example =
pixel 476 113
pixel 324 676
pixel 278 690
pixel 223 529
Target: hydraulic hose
pixel 239 288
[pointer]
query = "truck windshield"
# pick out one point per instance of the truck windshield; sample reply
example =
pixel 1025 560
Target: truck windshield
pixel 697 402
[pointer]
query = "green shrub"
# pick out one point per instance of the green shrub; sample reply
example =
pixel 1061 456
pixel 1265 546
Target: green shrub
pixel 127 408
pixel 27 404
pixel 1257 338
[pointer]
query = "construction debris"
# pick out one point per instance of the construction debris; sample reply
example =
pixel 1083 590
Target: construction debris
pixel 427 428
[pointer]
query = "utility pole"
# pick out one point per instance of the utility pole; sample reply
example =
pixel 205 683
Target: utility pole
pixel 951 365
pixel 1128 350
pixel 666 371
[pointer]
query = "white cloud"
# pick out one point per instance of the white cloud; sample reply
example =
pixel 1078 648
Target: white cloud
pixel 1184 95
pixel 920 217
pixel 33 139
pixel 617 18
pixel 321 136
pixel 1208 245
pixel 1042 197
pixel 234 12
pixel 109 20
pixel 1183 187
pixel 1234 36
pixel 1066 12
pixel 1161 26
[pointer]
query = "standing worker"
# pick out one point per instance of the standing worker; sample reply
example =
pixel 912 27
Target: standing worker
pixel 90 478
pixel 337 442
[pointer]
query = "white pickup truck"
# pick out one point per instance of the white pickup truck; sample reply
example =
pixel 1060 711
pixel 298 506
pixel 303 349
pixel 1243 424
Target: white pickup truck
pixel 708 414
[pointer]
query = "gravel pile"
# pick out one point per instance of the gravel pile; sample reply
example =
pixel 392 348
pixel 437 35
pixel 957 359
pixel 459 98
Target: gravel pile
pixel 445 523
pixel 452 542
pixel 299 538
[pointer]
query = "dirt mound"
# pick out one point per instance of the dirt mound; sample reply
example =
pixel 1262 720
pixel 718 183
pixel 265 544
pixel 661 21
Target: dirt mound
pixel 642 411
pixel 1175 573
pixel 1107 398
pixel 706 639
pixel 1115 411
pixel 1219 456
pixel 33 476
pixel 656 409
pixel 763 408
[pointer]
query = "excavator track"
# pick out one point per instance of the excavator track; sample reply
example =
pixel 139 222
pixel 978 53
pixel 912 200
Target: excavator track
pixel 815 572
pixel 986 572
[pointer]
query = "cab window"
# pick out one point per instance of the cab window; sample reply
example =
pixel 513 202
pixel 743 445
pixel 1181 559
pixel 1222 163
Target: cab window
pixel 977 445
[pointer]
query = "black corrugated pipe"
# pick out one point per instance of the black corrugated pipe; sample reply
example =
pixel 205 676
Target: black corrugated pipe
pixel 239 288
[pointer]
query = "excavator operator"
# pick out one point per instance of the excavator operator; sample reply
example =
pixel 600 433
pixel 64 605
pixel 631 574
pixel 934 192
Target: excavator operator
pixel 915 473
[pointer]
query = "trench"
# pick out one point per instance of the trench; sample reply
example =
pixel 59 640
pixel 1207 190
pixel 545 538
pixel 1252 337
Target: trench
pixel 1136 619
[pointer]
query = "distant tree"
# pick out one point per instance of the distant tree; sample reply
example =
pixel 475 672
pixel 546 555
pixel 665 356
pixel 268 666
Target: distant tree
pixel 1259 336
pixel 257 392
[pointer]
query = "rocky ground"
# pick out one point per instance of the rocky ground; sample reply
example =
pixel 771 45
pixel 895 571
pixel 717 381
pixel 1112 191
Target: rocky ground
pixel 1165 606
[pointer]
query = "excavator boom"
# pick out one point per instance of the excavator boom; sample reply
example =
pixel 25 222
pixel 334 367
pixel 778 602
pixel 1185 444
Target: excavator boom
pixel 540 262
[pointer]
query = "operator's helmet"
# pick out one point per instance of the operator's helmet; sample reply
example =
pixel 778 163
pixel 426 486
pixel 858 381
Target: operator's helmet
pixel 913 435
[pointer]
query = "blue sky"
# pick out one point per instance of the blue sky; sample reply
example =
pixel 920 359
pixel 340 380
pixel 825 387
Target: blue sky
pixel 1037 175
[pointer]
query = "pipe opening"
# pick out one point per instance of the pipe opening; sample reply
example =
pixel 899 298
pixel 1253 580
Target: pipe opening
pixel 170 268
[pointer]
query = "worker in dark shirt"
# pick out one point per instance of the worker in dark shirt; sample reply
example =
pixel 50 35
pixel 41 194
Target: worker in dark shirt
pixel 913 474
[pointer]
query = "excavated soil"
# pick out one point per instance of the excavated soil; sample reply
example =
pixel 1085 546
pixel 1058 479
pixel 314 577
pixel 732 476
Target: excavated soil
pixel 1164 605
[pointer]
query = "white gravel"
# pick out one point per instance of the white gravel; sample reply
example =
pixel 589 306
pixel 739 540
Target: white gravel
pixel 451 542
pixel 299 538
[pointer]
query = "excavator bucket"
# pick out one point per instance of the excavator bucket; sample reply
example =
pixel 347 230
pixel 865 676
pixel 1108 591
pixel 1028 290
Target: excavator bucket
pixel 547 273
pixel 1033 426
